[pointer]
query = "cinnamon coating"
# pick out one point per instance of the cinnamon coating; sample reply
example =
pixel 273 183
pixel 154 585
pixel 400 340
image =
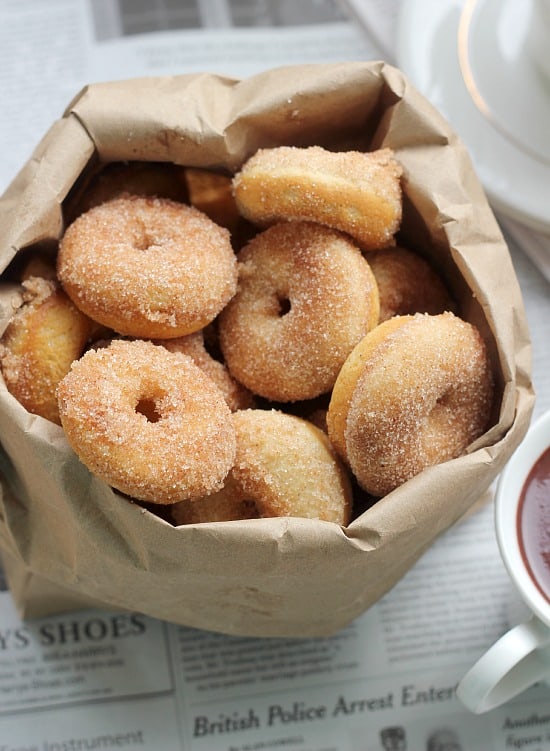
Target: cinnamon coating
pixel 147 421
pixel 305 297
pixel 356 192
pixel 147 267
pixel 284 466
pixel 415 392
pixel 407 283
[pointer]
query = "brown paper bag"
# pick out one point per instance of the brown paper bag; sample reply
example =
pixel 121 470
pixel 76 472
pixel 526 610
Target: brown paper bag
pixel 69 541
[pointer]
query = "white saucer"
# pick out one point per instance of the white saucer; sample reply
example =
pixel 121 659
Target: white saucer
pixel 468 58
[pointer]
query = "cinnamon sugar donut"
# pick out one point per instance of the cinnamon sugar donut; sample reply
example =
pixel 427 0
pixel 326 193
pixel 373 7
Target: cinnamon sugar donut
pixel 212 193
pixel 147 421
pixel 41 341
pixel 227 505
pixel 284 466
pixel 407 283
pixel 147 267
pixel 159 179
pixel 356 192
pixel 416 391
pixel 305 297
pixel 193 345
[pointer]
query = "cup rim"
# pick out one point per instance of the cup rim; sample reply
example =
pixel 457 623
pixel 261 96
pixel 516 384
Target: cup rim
pixel 508 493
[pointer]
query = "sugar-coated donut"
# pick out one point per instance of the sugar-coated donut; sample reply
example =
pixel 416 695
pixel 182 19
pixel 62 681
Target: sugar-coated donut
pixel 158 179
pixel 305 297
pixel 284 466
pixel 356 192
pixel 38 346
pixel 147 267
pixel 227 505
pixel 407 283
pixel 415 392
pixel 147 421
pixel 193 345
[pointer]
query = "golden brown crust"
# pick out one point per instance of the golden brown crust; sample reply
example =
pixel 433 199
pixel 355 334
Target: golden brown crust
pixel 43 338
pixel 348 376
pixel 305 297
pixel 407 284
pixel 147 421
pixel 356 192
pixel 147 267
pixel 423 393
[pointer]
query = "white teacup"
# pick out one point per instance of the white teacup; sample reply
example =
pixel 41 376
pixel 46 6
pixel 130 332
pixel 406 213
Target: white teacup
pixel 538 39
pixel 521 657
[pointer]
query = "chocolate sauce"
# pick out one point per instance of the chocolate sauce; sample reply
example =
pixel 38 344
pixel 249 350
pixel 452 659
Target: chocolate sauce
pixel 533 523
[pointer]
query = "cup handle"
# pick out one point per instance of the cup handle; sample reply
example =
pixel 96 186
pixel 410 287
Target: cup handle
pixel 509 667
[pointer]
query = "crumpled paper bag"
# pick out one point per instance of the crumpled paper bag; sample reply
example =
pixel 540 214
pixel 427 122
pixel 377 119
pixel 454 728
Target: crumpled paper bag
pixel 69 541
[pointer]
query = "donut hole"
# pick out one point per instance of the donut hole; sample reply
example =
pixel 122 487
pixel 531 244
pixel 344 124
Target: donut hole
pixel 442 409
pixel 283 305
pixel 148 408
pixel 144 237
pixel 439 432
pixel 143 242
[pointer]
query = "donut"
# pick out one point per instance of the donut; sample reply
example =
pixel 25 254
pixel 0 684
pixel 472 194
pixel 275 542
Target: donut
pixel 356 192
pixel 147 267
pixel 284 466
pixel 212 193
pixel 193 345
pixel 407 283
pixel 227 505
pixel 147 421
pixel 305 297
pixel 39 344
pixel 415 392
pixel 158 179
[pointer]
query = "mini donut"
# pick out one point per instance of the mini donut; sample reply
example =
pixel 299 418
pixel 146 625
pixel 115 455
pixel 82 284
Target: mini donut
pixel 38 346
pixel 415 392
pixel 158 179
pixel 227 505
pixel 356 192
pixel 284 466
pixel 407 283
pixel 193 345
pixel 305 297
pixel 147 267
pixel 147 421
pixel 212 193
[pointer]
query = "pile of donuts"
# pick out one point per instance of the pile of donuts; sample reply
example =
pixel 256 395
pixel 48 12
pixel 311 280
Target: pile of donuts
pixel 255 345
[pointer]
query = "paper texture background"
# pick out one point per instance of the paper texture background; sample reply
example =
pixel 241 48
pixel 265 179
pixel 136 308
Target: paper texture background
pixel 68 540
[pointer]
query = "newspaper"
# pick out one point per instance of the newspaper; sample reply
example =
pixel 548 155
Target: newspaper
pixel 113 680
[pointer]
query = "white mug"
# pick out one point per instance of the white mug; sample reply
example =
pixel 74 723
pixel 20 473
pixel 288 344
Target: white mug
pixel 521 657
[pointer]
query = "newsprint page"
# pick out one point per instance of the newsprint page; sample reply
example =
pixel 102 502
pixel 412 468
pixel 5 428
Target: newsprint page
pixel 123 681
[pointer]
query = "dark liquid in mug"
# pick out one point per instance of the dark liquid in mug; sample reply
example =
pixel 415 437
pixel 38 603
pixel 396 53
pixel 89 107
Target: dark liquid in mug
pixel 534 523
